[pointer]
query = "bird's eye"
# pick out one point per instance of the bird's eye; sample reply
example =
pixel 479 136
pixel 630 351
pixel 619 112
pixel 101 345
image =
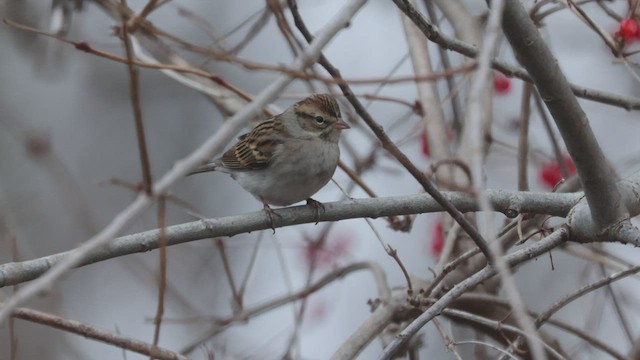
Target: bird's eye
pixel 320 120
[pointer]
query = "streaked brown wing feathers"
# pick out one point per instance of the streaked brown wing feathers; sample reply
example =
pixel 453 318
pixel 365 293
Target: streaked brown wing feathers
pixel 254 149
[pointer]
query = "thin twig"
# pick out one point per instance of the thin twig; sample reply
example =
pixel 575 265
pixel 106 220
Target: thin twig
pixel 136 20
pixel 448 342
pixel 603 34
pixel 552 136
pixel 13 341
pixel 523 140
pixel 394 254
pixel 607 10
pixel 91 332
pixel 237 298
pixel 276 8
pixel 622 317
pixel 447 248
pixel 475 342
pixel 252 262
pixel 446 64
pixel 162 279
pixel 583 291
pixel 251 34
pixel 134 89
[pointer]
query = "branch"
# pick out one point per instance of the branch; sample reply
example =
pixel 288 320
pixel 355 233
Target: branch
pixel 446 64
pixel 476 142
pixel 371 327
pixel 134 89
pixel 494 325
pixel 510 203
pixel 492 302
pixel 583 228
pixel 379 278
pixel 214 144
pixel 450 43
pixel 433 117
pixel 556 238
pixel 544 316
pixel 90 332
pixel 595 173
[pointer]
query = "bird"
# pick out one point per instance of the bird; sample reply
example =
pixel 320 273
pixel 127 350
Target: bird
pixel 288 157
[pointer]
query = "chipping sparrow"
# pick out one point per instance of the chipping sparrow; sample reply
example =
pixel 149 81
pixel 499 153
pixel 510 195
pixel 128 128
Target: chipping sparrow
pixel 288 157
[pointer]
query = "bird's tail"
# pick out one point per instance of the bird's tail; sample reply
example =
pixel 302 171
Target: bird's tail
pixel 203 168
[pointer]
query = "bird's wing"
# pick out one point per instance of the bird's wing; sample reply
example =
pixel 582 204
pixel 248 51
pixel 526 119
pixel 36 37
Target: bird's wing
pixel 255 149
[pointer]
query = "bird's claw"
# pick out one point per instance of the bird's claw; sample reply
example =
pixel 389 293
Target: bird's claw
pixel 316 205
pixel 270 213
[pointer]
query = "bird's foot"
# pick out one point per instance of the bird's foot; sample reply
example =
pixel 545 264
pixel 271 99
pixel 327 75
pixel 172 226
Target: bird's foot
pixel 270 213
pixel 317 206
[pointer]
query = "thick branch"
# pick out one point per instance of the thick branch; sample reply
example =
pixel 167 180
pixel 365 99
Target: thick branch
pixel 511 203
pixel 595 173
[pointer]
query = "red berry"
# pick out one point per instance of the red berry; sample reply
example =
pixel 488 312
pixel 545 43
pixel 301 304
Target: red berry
pixel 501 83
pixel 424 141
pixel 437 240
pixel 629 30
pixel 550 173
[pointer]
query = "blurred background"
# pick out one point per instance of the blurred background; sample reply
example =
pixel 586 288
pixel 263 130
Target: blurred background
pixel 67 134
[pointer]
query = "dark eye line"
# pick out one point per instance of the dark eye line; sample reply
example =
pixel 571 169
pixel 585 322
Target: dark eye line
pixel 318 119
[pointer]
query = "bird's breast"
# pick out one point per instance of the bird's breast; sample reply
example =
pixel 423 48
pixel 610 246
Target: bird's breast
pixel 297 172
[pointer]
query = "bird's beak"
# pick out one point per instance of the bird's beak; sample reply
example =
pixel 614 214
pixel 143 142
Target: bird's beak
pixel 341 125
